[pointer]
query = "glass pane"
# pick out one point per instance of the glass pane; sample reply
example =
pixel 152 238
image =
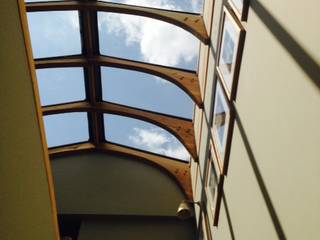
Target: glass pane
pixel 147 40
pixel 61 85
pixel 229 49
pixel 145 91
pixel 176 5
pixel 142 135
pixel 66 128
pixel 221 117
pixel 212 180
pixel 54 33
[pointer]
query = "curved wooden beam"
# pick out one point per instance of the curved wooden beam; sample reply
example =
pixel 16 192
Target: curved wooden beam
pixel 192 23
pixel 79 147
pixel 179 127
pixel 179 170
pixel 186 80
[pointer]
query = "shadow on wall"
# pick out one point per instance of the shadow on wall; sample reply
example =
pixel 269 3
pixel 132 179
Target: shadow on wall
pixel 262 186
pixel 302 58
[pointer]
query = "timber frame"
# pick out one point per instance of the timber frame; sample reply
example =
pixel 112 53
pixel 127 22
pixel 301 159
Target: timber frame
pixel 190 22
pixel 91 60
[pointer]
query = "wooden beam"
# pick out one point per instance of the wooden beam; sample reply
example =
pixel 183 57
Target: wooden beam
pixel 177 169
pixel 186 80
pixel 192 23
pixel 179 127
pixel 80 147
pixel 89 29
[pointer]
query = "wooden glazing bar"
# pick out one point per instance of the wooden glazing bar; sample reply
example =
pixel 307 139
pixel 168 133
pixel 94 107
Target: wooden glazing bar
pixel 179 127
pixel 186 80
pixel 74 148
pixel 192 23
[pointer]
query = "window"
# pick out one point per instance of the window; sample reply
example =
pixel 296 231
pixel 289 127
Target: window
pixel 54 33
pixel 61 85
pixel 147 40
pixel 74 75
pixel 66 128
pixel 144 91
pixel 221 120
pixel 142 135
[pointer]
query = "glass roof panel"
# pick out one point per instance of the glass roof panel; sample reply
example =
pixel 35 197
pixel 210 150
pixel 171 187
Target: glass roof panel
pixel 66 128
pixel 176 5
pixel 61 85
pixel 145 91
pixel 142 135
pixel 54 33
pixel 147 40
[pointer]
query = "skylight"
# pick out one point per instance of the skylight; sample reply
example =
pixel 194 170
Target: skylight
pixel 66 128
pixel 142 135
pixel 54 33
pixel 94 64
pixel 144 91
pixel 147 40
pixel 61 85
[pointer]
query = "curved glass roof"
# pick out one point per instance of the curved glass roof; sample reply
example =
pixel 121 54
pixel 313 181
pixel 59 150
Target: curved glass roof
pixel 142 135
pixel 81 84
pixel 147 40
pixel 144 91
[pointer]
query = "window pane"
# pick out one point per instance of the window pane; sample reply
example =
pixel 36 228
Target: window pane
pixel 54 33
pixel 176 5
pixel 221 118
pixel 145 91
pixel 144 136
pixel 148 40
pixel 61 85
pixel 66 128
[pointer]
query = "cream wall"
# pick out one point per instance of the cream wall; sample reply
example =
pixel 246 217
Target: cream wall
pixel 271 189
pixel 25 209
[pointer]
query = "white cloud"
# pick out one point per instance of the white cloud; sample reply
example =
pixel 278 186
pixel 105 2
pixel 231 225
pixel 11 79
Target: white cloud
pixel 158 141
pixel 159 42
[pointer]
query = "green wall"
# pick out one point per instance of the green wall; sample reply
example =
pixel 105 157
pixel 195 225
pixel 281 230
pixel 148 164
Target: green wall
pixel 100 183
pixel 25 211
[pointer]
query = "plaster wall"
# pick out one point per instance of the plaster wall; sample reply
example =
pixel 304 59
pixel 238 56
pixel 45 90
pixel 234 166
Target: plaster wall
pixel 271 190
pixel 25 204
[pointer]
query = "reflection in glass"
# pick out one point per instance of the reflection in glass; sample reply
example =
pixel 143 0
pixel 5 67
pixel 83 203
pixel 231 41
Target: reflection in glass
pixel 229 45
pixel 61 85
pixel 142 135
pixel 212 181
pixel 54 33
pixel 145 91
pixel 147 40
pixel 238 4
pixel 66 128
pixel 221 116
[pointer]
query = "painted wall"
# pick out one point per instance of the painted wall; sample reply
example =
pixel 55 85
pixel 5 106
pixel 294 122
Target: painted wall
pixel 25 210
pixel 271 190
pixel 100 183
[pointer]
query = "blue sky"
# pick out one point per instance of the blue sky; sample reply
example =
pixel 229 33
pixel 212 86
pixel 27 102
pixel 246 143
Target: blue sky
pixel 132 37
